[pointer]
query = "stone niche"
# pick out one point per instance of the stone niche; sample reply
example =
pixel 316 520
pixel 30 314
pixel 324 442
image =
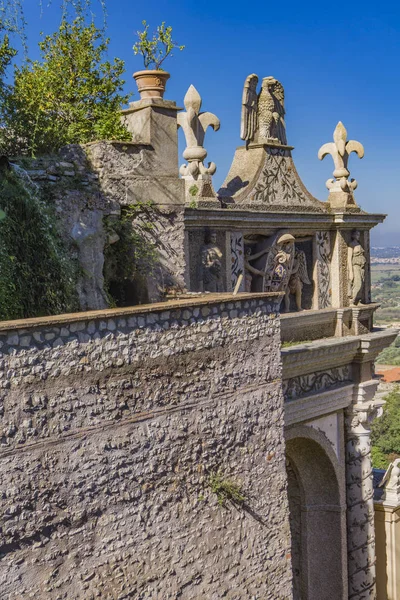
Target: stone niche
pixel 196 241
pixel 308 288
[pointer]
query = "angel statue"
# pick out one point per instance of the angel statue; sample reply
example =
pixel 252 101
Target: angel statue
pixel 263 114
pixel 298 277
pixel 279 263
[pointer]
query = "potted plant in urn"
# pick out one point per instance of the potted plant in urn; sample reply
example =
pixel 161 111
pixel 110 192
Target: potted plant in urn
pixel 151 82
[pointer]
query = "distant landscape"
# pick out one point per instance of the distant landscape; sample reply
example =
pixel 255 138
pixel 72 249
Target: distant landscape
pixel 385 275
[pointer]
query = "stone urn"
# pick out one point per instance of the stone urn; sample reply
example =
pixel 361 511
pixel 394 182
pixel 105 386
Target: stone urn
pixel 151 84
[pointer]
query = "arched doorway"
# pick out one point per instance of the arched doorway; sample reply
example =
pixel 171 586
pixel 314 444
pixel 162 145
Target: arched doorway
pixel 317 518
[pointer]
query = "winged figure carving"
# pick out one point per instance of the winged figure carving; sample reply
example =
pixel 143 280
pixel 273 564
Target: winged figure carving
pixel 263 113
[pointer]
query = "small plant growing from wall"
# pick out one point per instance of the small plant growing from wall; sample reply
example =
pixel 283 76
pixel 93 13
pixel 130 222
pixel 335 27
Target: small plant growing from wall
pixel 226 490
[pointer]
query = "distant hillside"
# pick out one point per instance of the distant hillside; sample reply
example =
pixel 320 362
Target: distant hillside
pixel 385 252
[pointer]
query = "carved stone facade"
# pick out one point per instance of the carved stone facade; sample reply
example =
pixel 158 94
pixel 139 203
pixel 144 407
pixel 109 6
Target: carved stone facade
pixel 203 384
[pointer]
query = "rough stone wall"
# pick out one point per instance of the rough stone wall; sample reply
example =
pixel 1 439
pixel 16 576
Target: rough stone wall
pixel 112 426
pixel 68 183
pixel 128 175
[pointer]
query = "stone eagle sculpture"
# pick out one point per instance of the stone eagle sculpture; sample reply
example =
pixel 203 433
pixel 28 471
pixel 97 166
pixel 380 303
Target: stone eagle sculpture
pixel 262 119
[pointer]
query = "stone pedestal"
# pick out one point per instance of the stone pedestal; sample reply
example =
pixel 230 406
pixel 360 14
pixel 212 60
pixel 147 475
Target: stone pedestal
pixel 387 531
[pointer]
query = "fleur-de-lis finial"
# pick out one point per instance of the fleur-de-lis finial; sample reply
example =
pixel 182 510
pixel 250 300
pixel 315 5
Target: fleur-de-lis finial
pixel 340 150
pixel 194 125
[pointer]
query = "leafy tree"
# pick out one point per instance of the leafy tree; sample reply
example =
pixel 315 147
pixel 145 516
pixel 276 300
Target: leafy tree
pixel 68 97
pixel 385 432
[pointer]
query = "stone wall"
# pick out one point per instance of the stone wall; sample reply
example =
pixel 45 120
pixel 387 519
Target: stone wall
pixel 113 423
pixel 68 183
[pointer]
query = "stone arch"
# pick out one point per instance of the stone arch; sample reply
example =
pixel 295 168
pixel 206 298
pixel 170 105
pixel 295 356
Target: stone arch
pixel 317 503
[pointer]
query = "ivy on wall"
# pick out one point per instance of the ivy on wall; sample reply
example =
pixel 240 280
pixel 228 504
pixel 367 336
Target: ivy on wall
pixel 36 275
pixel 129 255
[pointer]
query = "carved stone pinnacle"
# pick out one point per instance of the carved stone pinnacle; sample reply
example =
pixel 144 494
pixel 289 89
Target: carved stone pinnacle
pixel 194 125
pixel 340 150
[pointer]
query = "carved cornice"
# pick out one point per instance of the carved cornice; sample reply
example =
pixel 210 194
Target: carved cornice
pixel 316 405
pixel 333 352
pixel 257 219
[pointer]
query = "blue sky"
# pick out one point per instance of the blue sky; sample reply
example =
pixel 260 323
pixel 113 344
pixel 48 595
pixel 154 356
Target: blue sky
pixel 336 62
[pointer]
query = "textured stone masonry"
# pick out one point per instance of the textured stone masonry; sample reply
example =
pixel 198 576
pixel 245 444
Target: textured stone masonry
pixel 111 428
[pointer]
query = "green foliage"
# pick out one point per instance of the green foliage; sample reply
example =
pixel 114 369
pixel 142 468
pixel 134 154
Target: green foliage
pixel 37 278
pixel 385 432
pixel 156 49
pixel 133 255
pixel 390 355
pixel 68 97
pixel 225 490
pixel 7 53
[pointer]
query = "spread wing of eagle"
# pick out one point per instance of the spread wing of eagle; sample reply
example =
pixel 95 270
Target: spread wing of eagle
pixel 248 124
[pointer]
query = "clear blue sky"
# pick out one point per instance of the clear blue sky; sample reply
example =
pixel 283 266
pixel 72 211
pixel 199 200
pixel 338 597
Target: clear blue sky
pixel 337 61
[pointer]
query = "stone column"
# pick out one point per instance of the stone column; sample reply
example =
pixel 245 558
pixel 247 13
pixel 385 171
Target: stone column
pixel 360 505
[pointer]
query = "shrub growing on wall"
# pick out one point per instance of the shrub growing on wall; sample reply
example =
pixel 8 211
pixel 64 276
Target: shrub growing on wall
pixel 37 278
pixel 68 97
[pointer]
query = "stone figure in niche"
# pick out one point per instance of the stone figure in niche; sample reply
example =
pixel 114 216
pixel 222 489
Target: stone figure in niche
pixel 298 277
pixel 391 483
pixel 263 114
pixel 356 268
pixel 249 269
pixel 210 264
pixel 279 263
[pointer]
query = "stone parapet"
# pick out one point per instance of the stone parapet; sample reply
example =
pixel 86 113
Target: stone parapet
pixel 315 324
pixel 114 423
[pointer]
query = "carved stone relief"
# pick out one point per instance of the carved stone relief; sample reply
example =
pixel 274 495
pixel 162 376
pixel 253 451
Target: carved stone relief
pixel 360 505
pixel 210 268
pixel 196 246
pixel 279 263
pixel 296 387
pixel 278 182
pixel 356 262
pixel 300 287
pixel 237 257
pixel 323 257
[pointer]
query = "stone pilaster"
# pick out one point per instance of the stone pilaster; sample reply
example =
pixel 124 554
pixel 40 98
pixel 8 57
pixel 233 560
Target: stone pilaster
pixel 359 483
pixel 360 505
pixel 339 279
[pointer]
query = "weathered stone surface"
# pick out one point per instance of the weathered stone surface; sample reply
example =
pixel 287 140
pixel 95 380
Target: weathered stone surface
pixel 107 449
